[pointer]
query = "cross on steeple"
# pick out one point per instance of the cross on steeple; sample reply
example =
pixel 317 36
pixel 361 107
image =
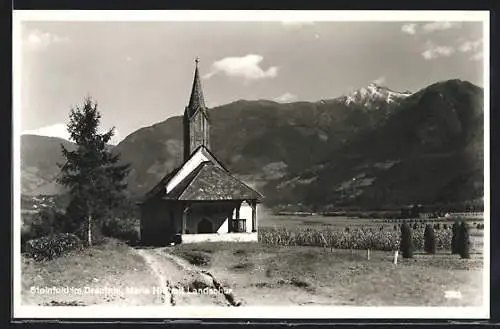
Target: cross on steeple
pixel 197 60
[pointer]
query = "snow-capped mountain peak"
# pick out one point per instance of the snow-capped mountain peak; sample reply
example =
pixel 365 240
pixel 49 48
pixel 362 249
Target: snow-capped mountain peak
pixel 374 93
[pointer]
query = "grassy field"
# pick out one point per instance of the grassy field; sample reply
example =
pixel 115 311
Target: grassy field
pixel 273 275
pixel 112 265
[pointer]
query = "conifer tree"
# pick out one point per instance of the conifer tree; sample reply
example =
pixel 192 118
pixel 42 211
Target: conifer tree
pixel 407 244
pixel 429 240
pixel 464 240
pixel 454 238
pixel 92 173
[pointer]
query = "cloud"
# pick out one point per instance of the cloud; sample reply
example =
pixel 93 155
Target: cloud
pixel 56 130
pixel 414 28
pixel 436 26
pixel 38 40
pixel 246 67
pixel 286 98
pixel 470 45
pixel 60 130
pixel 409 28
pixel 128 59
pixel 433 51
pixel 316 36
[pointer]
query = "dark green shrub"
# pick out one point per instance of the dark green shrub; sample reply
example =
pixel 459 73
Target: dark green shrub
pixel 395 227
pixel 464 241
pixel 406 241
pixel 52 246
pixel 445 226
pixel 438 226
pixel 478 226
pixel 415 226
pixel 121 228
pixel 429 240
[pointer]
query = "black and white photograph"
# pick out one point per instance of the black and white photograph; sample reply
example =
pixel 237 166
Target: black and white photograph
pixel 251 164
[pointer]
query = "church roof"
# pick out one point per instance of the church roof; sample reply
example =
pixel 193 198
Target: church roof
pixel 196 101
pixel 209 182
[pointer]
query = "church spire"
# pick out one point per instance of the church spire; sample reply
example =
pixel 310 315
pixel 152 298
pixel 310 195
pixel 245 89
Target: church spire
pixel 196 100
pixel 195 120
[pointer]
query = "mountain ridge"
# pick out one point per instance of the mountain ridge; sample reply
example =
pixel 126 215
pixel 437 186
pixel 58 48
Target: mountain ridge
pixel 269 143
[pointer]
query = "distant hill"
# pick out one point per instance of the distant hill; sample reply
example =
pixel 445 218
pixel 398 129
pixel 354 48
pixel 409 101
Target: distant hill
pixel 374 146
pixel 258 140
pixel 39 158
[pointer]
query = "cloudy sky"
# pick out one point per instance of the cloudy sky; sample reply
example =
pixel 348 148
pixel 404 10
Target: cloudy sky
pixel 140 73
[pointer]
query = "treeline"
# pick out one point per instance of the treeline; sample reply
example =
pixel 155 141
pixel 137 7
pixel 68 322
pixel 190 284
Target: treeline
pixel 394 211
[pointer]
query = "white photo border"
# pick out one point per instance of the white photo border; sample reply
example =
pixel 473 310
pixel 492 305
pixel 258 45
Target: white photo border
pixel 247 312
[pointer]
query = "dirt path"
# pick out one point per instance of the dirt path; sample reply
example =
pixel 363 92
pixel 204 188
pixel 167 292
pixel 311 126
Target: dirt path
pixel 166 296
pixel 182 284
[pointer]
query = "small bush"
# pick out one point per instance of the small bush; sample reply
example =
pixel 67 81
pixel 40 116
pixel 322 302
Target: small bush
pixel 445 226
pixel 406 241
pixel 415 226
pixel 395 227
pixel 121 228
pixel 478 226
pixel 52 246
pixel 429 240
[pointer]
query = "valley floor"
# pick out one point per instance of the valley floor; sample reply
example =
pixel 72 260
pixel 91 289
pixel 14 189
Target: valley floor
pixel 266 275
pixel 251 274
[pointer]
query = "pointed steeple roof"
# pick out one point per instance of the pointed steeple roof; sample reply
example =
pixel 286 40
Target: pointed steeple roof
pixel 196 100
